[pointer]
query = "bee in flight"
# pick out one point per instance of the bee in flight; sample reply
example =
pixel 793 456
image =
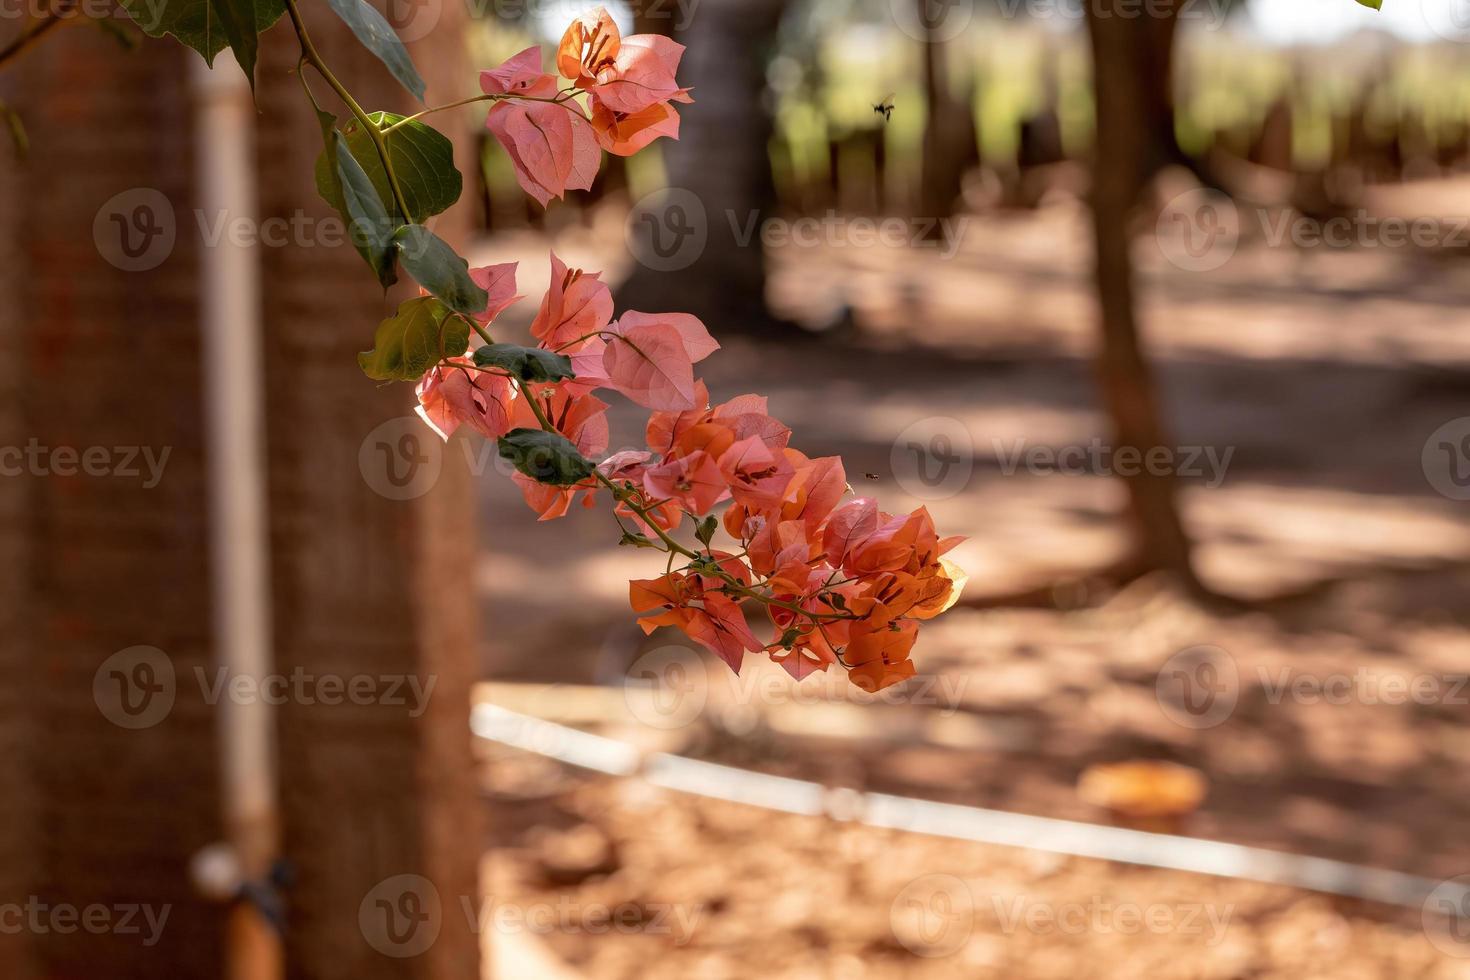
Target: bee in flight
pixel 885 108
pixel 871 476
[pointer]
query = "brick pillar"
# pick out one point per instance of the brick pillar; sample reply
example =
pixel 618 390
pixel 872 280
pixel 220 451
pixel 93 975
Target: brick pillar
pixel 365 583
pixel 94 807
pixel 106 362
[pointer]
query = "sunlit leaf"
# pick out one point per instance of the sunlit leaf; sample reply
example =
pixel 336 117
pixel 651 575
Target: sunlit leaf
pixel 414 339
pixel 422 157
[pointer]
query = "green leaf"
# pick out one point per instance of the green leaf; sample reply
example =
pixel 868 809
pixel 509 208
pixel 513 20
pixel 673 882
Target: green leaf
pixel 378 36
pixel 526 363
pixel 209 26
pixel 422 157
pixel 436 267
pixel 705 529
pixel 414 339
pixel 370 227
pixel 546 457
pixel 1375 4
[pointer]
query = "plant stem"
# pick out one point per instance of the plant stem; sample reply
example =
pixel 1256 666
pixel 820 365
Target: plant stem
pixel 624 496
pixel 440 108
pixel 313 58
pixel 560 99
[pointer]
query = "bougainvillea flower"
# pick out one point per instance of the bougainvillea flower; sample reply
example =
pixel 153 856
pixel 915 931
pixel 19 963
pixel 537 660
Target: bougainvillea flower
pixel 625 133
pixel 550 502
pixel 650 358
pixel 457 394
pixel 665 428
pixel 519 75
pixel 499 281
pixel 627 465
pixel 721 627
pixel 588 46
pixel 659 601
pixel 551 145
pixel 694 481
pixel 650 366
pixel 577 305
pixel 640 75
pixel 848 526
pixel 581 418
pixel 757 477
pixel 880 658
pixel 693 334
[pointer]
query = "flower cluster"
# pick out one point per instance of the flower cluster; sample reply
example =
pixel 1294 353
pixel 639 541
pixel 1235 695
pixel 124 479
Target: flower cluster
pixel 842 582
pixel 628 83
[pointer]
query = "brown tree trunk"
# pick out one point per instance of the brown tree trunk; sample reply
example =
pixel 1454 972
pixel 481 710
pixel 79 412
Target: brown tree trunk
pixel 1132 75
pixel 947 127
pixel 719 173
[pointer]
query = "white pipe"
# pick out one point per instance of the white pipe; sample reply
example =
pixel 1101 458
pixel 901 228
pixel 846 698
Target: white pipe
pixel 230 319
pixel 709 779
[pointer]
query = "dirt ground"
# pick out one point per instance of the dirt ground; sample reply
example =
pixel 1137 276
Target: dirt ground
pixel 1322 374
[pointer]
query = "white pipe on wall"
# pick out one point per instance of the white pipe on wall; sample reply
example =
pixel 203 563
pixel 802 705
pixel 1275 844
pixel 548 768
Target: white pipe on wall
pixel 230 320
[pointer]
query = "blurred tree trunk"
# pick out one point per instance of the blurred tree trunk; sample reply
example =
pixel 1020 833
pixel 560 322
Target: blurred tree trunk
pixel 1132 72
pixel 722 160
pixel 948 125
